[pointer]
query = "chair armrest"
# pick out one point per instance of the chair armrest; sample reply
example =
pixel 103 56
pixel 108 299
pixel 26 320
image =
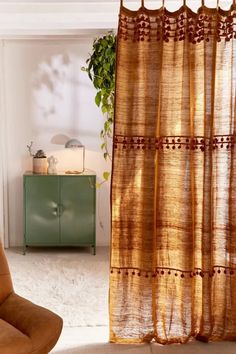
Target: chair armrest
pixel 41 325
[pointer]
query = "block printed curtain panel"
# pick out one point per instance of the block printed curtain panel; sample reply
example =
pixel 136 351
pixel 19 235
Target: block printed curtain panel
pixel 173 251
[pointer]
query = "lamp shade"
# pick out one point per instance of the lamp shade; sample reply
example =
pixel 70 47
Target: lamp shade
pixel 76 144
pixel 73 143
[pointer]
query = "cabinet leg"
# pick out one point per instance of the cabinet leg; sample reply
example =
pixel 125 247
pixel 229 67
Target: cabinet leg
pixel 93 250
pixel 24 250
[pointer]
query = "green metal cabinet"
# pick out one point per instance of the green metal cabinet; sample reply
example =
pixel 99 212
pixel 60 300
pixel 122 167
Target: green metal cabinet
pixel 60 210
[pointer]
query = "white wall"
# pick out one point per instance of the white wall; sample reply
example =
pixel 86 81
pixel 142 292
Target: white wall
pixel 47 94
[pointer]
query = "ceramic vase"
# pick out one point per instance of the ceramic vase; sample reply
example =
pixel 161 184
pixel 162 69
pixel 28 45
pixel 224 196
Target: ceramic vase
pixel 40 165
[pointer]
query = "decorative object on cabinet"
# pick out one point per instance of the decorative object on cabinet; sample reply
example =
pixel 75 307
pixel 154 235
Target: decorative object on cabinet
pixel 76 144
pixel 52 168
pixel 39 160
pixel 60 210
pixel 40 165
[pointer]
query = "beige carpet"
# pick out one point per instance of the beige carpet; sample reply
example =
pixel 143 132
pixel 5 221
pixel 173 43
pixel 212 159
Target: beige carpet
pixel 68 281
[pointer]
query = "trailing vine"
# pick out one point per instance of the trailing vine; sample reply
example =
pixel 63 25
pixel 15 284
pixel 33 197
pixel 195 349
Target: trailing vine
pixel 101 71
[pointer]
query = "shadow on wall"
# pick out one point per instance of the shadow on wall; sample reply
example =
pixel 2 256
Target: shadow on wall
pixel 51 76
pixel 63 98
pixel 60 139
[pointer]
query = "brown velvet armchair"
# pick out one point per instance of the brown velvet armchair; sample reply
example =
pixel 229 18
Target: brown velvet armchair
pixel 25 328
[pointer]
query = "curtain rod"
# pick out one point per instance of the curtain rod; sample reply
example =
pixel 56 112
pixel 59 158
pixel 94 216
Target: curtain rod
pixel 177 1
pixel 164 3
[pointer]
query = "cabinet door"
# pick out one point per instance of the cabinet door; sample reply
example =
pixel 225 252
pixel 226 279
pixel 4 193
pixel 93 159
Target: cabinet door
pixel 41 210
pixel 77 199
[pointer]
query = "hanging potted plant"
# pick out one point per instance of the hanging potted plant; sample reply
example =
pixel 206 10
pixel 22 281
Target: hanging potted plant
pixel 101 71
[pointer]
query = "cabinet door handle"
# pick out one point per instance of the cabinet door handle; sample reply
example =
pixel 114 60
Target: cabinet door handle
pixel 60 209
pixel 56 211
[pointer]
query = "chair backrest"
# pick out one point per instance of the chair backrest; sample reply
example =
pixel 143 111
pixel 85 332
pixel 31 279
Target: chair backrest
pixel 6 287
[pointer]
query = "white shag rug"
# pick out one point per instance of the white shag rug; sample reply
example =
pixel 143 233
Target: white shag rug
pixel 70 282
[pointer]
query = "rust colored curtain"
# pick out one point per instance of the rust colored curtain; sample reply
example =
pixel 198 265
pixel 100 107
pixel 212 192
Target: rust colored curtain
pixel 173 250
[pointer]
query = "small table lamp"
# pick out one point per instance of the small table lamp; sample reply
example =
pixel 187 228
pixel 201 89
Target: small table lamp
pixel 76 144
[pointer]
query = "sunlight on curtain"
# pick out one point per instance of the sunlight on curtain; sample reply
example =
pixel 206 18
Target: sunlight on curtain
pixel 173 250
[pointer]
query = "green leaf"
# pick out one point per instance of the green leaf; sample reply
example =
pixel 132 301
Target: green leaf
pixel 98 185
pixel 90 65
pixel 104 101
pixel 107 126
pixel 106 66
pixel 97 82
pixel 98 98
pixel 104 109
pixel 105 155
pixel 108 51
pixel 104 42
pixel 106 175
